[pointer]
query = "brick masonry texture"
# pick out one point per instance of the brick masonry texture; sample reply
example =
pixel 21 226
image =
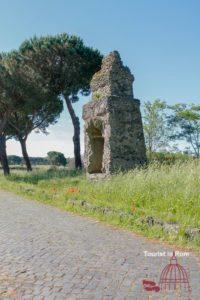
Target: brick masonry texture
pixel 49 254
pixel 114 137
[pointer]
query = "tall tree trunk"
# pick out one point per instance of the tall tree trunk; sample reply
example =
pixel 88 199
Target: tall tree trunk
pixel 25 154
pixel 3 155
pixel 76 137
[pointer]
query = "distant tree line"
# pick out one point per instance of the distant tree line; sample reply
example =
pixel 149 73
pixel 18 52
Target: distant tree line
pixel 53 158
pixel 35 80
pixel 18 160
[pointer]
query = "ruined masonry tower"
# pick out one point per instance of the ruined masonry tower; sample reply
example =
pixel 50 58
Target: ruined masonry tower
pixel 114 137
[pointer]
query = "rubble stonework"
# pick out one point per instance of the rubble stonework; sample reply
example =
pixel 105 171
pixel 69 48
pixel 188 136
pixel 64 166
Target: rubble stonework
pixel 113 130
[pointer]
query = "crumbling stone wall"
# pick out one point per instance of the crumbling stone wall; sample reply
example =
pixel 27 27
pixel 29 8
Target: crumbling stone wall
pixel 113 79
pixel 114 137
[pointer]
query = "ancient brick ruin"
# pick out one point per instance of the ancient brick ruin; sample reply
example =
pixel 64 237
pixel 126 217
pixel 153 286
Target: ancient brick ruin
pixel 113 130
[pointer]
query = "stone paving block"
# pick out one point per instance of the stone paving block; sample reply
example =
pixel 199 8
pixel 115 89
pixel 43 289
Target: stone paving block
pixel 47 254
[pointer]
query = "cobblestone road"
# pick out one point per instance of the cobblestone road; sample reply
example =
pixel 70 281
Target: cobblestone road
pixel 49 254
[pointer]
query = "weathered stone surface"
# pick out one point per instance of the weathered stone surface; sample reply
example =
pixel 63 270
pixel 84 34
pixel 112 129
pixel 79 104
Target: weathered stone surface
pixel 114 137
pixel 113 79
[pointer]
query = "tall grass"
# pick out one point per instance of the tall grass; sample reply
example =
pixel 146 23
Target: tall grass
pixel 169 192
pixel 166 192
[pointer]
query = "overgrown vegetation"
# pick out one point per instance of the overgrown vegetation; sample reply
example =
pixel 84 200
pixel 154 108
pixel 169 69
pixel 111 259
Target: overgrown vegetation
pixel 170 193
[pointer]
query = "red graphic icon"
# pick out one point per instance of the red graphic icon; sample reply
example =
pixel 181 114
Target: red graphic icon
pixel 150 286
pixel 173 277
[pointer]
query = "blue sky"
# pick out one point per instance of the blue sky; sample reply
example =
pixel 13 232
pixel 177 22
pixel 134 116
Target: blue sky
pixel 159 40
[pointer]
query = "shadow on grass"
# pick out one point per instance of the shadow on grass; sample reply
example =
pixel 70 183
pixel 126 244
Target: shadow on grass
pixel 16 168
pixel 35 177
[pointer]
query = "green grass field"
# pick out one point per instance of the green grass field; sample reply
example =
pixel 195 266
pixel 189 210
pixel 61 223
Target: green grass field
pixel 170 193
